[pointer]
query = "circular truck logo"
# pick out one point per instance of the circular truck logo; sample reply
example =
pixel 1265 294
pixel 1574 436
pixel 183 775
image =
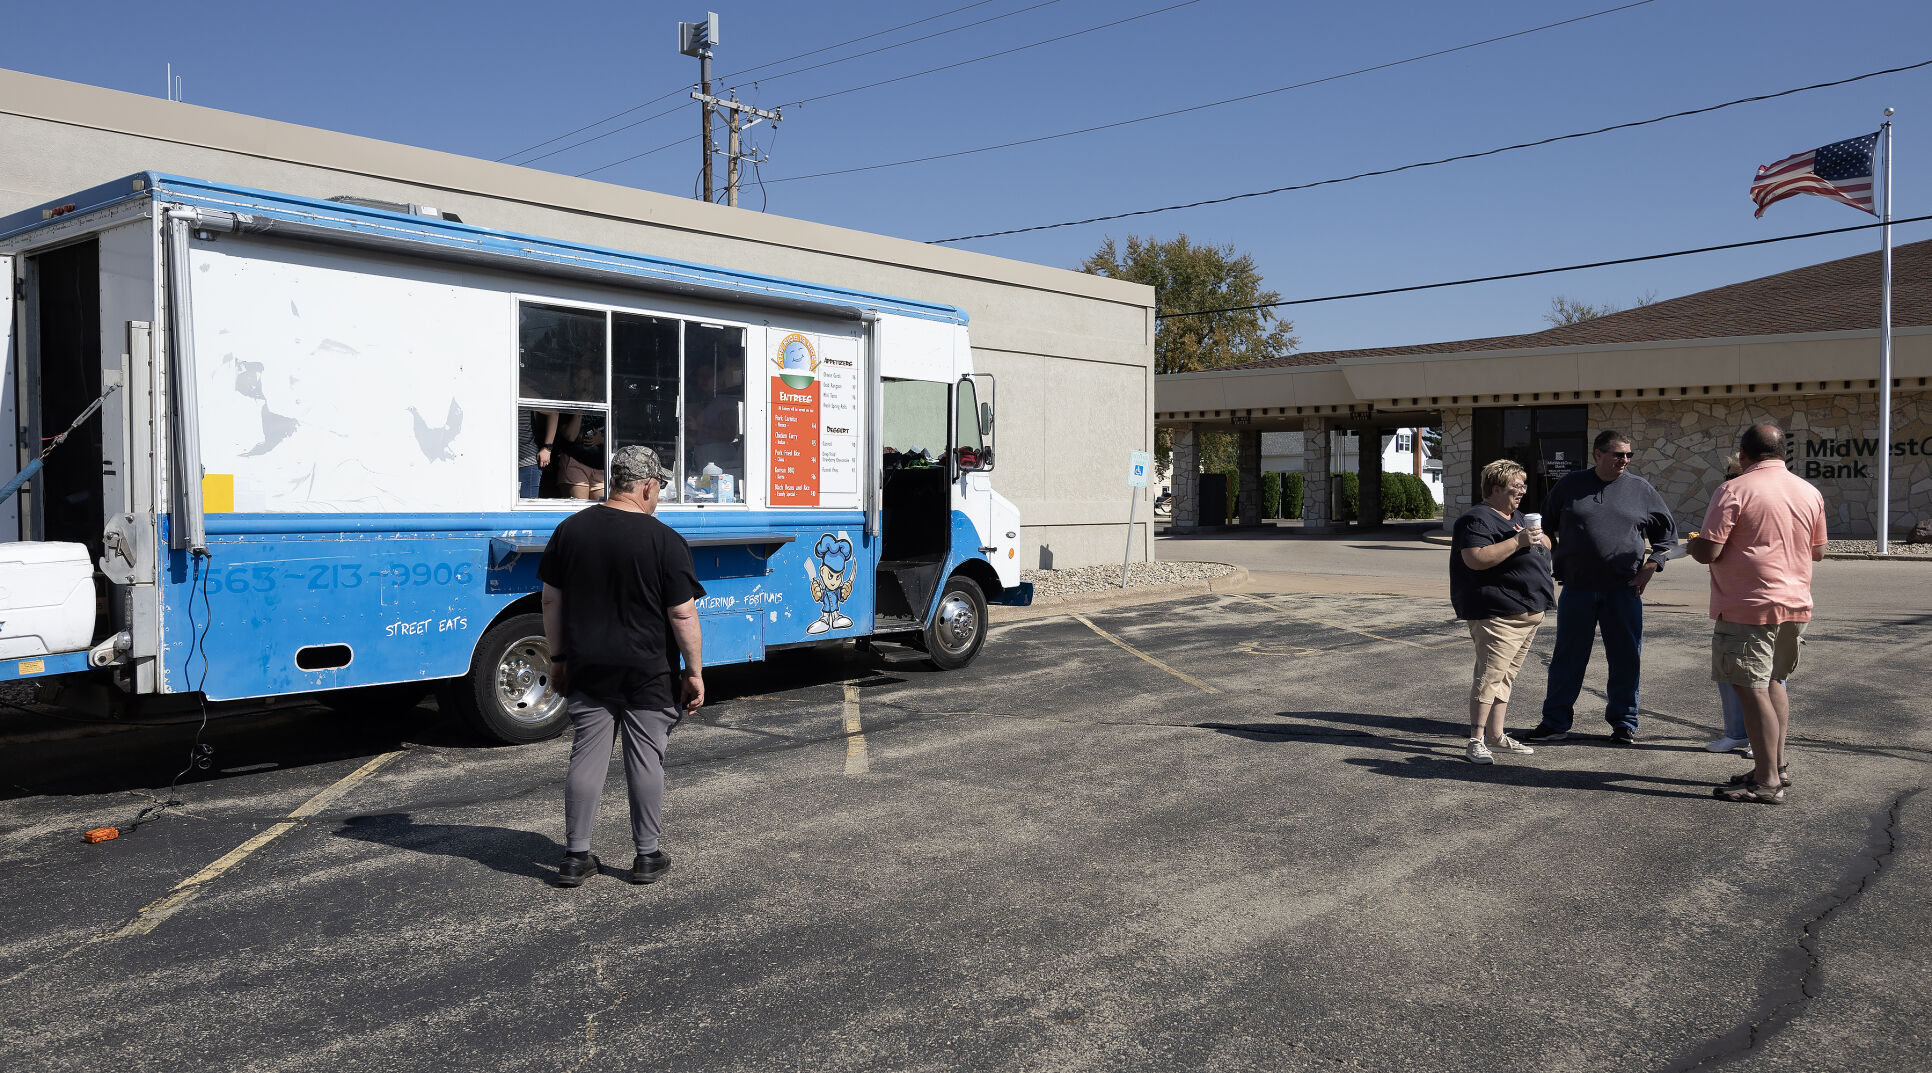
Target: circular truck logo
pixel 797 362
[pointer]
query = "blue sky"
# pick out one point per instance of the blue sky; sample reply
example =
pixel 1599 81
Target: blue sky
pixel 489 78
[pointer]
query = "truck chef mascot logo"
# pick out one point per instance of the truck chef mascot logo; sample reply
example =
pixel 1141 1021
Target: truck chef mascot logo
pixel 832 573
pixel 797 364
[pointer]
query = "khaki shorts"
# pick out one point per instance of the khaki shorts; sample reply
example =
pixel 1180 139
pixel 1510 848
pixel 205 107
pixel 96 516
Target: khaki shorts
pixel 1753 656
pixel 575 473
pixel 1501 645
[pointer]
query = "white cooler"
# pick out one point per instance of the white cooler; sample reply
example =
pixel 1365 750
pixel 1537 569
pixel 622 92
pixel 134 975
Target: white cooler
pixel 46 598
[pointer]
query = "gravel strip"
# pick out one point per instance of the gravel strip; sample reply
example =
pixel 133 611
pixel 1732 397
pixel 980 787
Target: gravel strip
pixel 1869 547
pixel 1102 578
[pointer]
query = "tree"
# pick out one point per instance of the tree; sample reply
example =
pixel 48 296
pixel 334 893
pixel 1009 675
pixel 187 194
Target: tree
pixel 1189 278
pixel 1567 310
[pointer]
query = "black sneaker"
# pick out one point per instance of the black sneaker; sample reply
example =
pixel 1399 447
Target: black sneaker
pixel 1545 734
pixel 649 866
pixel 1623 736
pixel 575 870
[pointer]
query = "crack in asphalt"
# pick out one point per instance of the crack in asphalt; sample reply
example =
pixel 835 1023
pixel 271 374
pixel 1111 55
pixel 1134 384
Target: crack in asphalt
pixel 590 1019
pixel 1789 1002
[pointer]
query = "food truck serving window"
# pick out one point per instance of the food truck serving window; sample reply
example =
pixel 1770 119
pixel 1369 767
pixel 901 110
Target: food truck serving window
pixel 591 381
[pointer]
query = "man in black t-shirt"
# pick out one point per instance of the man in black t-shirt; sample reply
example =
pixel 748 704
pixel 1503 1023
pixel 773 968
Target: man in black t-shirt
pixel 619 591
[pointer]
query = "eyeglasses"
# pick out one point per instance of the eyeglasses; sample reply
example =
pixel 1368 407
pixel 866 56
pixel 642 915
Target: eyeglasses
pixel 1621 454
pixel 1517 490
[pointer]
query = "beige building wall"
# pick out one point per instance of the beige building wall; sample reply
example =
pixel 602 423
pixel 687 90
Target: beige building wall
pixel 1073 353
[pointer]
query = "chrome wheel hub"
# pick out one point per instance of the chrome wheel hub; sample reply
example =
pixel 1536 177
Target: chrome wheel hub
pixel 957 624
pixel 523 682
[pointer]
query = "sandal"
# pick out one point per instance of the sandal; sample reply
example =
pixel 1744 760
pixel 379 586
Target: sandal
pixel 1746 779
pixel 1749 792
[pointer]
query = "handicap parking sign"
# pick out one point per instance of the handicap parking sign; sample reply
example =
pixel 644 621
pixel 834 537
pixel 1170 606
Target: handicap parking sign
pixel 1138 465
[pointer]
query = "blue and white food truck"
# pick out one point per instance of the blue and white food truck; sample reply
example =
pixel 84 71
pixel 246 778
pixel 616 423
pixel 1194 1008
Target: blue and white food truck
pixel 334 437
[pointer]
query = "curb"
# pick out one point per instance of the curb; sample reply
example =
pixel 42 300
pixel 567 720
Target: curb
pixel 1051 606
pixel 1874 556
pixel 1439 536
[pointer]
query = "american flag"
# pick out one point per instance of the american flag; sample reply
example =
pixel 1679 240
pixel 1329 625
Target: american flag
pixel 1841 170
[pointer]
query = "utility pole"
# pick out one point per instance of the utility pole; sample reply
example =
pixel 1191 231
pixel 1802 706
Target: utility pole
pixel 737 126
pixel 697 39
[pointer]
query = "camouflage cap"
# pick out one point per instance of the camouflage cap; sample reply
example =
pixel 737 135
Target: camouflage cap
pixel 632 464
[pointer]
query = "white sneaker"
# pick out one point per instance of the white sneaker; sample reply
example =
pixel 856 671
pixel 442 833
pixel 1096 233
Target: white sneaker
pixel 1477 752
pixel 1730 745
pixel 1507 744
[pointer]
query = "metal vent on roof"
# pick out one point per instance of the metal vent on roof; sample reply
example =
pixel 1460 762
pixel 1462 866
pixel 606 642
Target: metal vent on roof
pixel 407 208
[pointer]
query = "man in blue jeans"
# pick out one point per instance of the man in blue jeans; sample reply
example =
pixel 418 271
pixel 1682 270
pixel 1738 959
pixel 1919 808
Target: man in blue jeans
pixel 1610 527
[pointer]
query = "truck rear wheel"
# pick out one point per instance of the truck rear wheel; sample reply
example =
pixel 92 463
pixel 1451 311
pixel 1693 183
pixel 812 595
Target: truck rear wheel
pixel 958 626
pixel 507 694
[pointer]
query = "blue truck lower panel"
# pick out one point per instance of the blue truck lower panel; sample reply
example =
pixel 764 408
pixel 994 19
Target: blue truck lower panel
pixel 290 604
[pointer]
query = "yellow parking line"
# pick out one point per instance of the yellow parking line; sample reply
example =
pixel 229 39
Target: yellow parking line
pixel 856 762
pixel 1188 678
pixel 152 914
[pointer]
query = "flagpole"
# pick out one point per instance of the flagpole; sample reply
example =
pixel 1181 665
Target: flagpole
pixel 1885 359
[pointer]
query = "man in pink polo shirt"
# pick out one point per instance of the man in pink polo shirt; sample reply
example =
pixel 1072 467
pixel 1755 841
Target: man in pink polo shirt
pixel 1762 532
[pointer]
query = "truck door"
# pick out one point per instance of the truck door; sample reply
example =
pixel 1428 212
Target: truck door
pixel 10 461
pixel 63 364
pixel 972 452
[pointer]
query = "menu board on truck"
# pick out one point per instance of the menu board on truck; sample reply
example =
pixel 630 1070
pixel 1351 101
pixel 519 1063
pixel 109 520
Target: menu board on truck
pixel 816 420
pixel 795 422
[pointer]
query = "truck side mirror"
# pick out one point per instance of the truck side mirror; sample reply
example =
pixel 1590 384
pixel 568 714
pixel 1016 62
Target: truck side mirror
pixel 985 420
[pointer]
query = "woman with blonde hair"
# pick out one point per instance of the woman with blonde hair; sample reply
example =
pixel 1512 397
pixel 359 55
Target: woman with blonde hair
pixel 1499 581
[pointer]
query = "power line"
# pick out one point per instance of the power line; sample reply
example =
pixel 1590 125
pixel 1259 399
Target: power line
pixel 587 126
pixel 638 156
pixel 1002 52
pixel 673 110
pixel 1211 104
pixel 1431 163
pixel 1538 271
pixel 879 33
pixel 900 78
pixel 888 48
pixel 734 74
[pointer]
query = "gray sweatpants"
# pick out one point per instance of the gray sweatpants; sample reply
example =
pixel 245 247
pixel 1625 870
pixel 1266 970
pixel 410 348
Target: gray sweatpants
pixel 645 733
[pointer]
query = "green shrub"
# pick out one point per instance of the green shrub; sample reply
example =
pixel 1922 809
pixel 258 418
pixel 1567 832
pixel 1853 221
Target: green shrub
pixel 1271 495
pixel 1291 495
pixel 1395 496
pixel 1425 500
pixel 1234 493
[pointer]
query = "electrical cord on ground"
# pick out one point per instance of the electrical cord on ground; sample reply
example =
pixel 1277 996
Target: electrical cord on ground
pixel 200 756
pixel 1357 175
pixel 1210 104
pixel 1541 271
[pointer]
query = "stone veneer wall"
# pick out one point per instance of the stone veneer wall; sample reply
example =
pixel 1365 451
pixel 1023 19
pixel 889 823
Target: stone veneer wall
pixel 1682 445
pixel 1458 465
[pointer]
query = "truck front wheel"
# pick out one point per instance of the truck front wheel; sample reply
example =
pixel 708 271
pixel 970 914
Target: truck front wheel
pixel 507 694
pixel 958 625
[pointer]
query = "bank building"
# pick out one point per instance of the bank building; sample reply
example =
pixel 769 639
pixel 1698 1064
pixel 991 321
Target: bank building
pixel 1682 378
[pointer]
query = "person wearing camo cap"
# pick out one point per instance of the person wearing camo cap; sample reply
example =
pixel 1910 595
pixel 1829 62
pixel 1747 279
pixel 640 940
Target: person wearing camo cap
pixel 619 605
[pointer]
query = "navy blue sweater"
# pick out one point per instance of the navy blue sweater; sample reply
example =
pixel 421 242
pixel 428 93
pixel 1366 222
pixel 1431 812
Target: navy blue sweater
pixel 1605 529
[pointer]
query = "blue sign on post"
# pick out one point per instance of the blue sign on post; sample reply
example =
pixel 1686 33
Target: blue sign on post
pixel 1138 465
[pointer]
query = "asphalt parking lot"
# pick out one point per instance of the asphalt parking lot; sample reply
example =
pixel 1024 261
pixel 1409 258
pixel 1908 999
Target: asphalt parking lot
pixel 1229 831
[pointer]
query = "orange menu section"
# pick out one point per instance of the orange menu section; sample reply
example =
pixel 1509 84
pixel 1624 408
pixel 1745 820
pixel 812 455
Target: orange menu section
pixel 794 444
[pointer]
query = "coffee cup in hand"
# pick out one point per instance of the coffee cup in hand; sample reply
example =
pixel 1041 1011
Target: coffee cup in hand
pixel 1534 521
